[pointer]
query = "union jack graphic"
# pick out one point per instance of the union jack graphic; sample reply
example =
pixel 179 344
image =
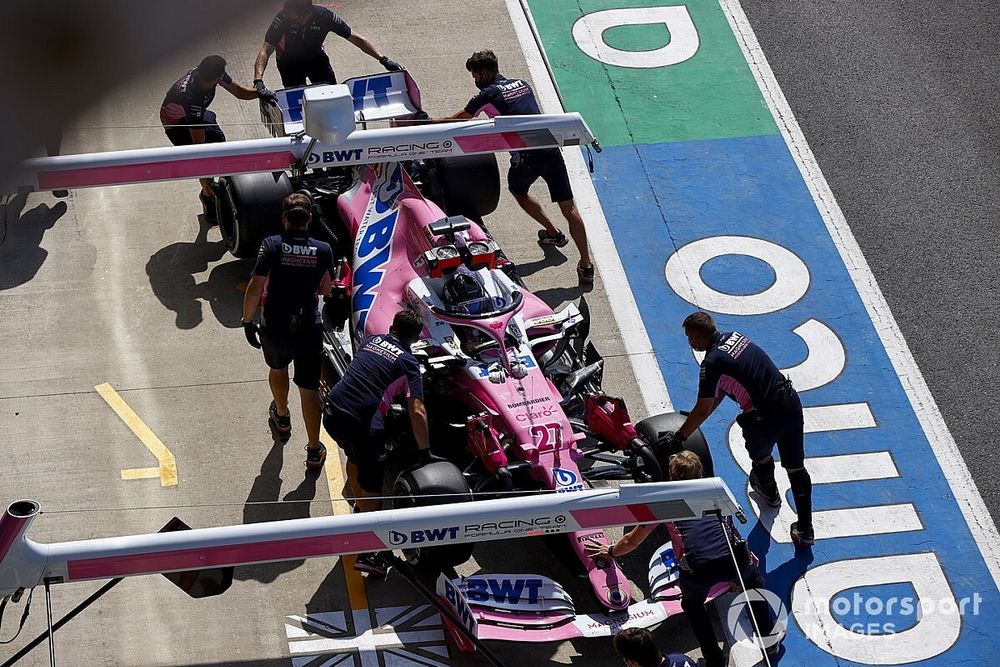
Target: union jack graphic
pixel 405 636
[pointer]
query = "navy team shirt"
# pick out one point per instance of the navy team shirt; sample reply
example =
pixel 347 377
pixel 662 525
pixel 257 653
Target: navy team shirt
pixel 295 266
pixel 735 366
pixel 508 97
pixel 295 43
pixel 382 370
pixel 185 103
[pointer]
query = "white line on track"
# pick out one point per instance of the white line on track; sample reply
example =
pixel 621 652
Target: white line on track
pixel 609 264
pixel 967 496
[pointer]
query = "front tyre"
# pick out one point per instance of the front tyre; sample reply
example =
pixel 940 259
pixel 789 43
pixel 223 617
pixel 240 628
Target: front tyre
pixel 436 483
pixel 656 429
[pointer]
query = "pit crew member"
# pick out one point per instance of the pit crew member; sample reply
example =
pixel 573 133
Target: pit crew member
pixel 297 33
pixel 382 370
pixel 292 270
pixel 735 366
pixel 187 120
pixel 500 96
pixel 637 648
pixel 704 559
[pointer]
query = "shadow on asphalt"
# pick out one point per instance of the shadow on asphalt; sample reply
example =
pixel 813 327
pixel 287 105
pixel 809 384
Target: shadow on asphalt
pixel 172 270
pixel 261 506
pixel 21 234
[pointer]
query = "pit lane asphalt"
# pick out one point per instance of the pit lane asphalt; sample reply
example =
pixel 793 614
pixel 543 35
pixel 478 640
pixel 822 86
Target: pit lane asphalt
pixel 899 101
pixel 125 285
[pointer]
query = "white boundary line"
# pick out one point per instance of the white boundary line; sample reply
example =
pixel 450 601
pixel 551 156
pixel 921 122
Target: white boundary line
pixel 637 345
pixel 967 496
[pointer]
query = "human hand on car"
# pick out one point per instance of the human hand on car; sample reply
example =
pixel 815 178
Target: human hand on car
pixel 595 549
pixel 263 93
pixel 251 331
pixel 390 65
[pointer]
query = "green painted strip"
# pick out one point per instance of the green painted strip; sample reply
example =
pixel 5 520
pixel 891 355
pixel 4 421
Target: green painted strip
pixel 709 96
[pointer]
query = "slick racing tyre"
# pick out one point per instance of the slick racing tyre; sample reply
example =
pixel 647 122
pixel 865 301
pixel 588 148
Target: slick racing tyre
pixel 248 207
pixel 437 483
pixel 658 428
pixel 466 185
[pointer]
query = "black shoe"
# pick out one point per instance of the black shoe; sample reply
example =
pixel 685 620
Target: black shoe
pixel 770 496
pixel 557 241
pixel 371 564
pixel 585 274
pixel 281 424
pixel 315 458
pixel 208 207
pixel 802 537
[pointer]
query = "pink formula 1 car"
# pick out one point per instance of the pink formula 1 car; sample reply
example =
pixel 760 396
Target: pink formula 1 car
pixel 512 388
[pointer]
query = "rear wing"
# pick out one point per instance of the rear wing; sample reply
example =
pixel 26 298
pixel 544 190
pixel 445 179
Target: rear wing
pixel 376 97
pixel 358 147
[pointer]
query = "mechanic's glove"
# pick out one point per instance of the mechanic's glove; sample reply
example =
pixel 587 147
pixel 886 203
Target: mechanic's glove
pixel 263 94
pixel 251 331
pixel 390 65
pixel 675 443
pixel 424 457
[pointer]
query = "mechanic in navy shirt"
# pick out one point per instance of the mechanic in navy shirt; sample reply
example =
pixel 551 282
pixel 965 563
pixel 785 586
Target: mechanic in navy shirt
pixel 735 366
pixel 297 33
pixel 500 96
pixel 704 560
pixel 185 116
pixel 383 370
pixel 637 648
pixel 292 270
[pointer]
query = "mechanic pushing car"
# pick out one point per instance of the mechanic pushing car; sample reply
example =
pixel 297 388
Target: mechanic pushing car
pixel 500 96
pixel 292 270
pixel 297 33
pixel 735 366
pixel 704 559
pixel 382 370
pixel 187 120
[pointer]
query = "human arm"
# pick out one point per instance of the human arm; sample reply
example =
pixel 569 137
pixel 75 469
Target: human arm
pixel 460 115
pixel 418 419
pixel 263 55
pixel 367 47
pixel 238 91
pixel 251 298
pixel 629 542
pixel 197 135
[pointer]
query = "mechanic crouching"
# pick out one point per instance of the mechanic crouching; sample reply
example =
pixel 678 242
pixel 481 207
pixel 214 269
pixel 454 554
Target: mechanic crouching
pixel 292 270
pixel 703 553
pixel 383 369
pixel 186 119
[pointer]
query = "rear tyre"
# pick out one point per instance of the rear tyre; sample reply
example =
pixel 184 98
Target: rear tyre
pixel 656 429
pixel 249 209
pixel 466 185
pixel 436 483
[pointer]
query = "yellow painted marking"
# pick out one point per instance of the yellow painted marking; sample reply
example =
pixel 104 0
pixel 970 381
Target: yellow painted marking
pixel 140 473
pixel 356 594
pixel 167 470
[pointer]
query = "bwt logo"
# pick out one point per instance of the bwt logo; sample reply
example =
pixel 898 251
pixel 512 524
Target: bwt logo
pixel 301 250
pixel 397 538
pixel 504 590
pixel 335 156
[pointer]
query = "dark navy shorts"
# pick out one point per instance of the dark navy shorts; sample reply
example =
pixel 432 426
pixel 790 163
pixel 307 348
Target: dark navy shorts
pixel 526 167
pixel 180 135
pixel 295 72
pixel 364 448
pixel 304 349
pixel 763 429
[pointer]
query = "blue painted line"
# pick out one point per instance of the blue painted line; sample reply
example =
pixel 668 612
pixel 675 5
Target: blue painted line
pixel 658 198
